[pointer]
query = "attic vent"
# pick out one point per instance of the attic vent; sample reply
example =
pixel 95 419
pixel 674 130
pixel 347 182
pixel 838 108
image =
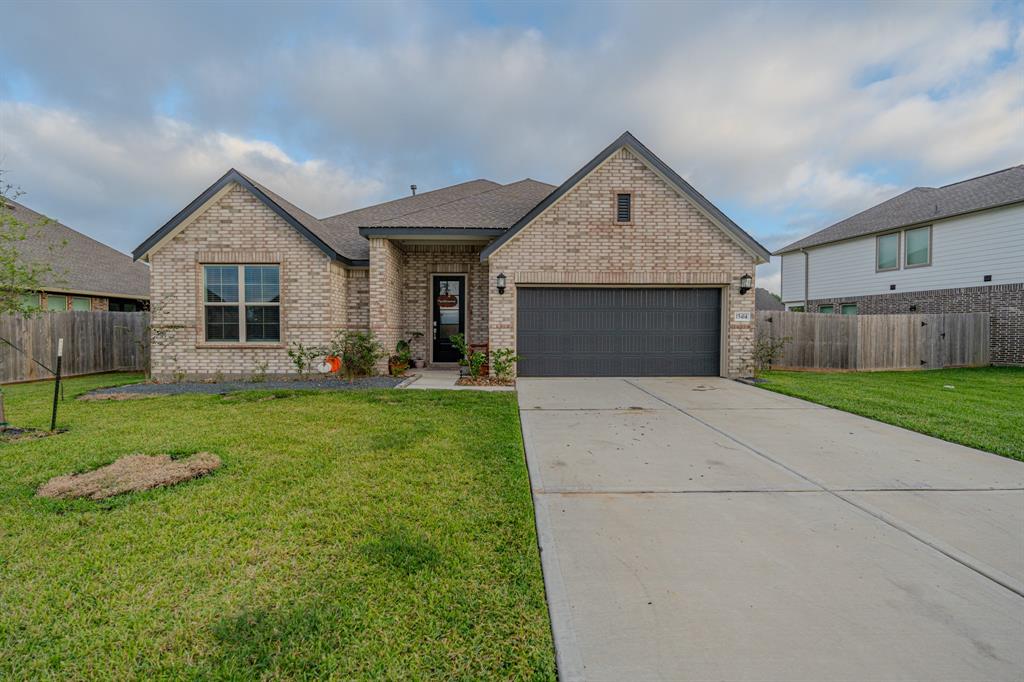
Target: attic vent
pixel 623 208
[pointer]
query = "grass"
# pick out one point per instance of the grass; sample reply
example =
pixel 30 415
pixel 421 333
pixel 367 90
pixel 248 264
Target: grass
pixel 364 534
pixel 984 409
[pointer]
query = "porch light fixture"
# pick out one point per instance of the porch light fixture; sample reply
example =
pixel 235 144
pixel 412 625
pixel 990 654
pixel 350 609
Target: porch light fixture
pixel 746 283
pixel 501 283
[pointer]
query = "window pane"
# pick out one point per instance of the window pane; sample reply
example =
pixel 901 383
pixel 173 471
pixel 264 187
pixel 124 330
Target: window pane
pixel 888 252
pixel 849 309
pixel 221 283
pixel 918 246
pixel 56 302
pixel 262 284
pixel 825 309
pixel 81 304
pixel 262 323
pixel 30 300
pixel 221 323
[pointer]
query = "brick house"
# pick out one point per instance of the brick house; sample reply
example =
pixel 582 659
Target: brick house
pixel 623 270
pixel 952 249
pixel 83 274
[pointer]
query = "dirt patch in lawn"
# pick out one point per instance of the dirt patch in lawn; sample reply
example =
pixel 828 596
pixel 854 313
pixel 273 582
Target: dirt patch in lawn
pixel 11 434
pixel 484 381
pixel 130 474
pixel 114 396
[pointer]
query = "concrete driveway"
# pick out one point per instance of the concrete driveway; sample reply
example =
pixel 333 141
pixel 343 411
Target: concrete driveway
pixel 702 529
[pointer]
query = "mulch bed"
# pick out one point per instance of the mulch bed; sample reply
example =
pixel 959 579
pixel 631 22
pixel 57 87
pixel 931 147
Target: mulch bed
pixel 131 473
pixel 485 381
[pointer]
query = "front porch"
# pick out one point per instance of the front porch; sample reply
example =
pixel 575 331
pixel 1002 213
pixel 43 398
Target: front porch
pixel 437 288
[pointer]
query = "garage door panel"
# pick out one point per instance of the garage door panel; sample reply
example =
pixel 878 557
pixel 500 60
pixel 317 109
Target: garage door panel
pixel 618 332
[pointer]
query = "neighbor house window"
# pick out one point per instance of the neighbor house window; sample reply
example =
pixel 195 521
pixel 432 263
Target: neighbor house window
pixel 826 309
pixel 54 302
pixel 623 208
pixel 30 300
pixel 848 309
pixel 79 303
pixel 243 303
pixel 887 252
pixel 919 247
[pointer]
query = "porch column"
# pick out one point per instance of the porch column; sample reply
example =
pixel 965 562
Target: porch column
pixel 387 278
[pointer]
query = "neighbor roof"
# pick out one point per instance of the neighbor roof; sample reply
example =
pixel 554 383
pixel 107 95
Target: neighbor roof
pixel 80 264
pixel 628 141
pixel 763 300
pixel 925 204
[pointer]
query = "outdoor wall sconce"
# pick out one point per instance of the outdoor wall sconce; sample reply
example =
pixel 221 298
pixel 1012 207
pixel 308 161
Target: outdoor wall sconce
pixel 746 283
pixel 501 283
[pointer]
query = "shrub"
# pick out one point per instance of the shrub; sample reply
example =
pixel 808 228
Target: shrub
pixel 767 350
pixel 303 357
pixel 503 360
pixel 474 360
pixel 358 351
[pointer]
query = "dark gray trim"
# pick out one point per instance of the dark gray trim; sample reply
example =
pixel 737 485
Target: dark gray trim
pixel 234 176
pixel 627 140
pixel 483 232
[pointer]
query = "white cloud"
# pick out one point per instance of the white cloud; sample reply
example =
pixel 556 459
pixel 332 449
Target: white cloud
pixel 65 162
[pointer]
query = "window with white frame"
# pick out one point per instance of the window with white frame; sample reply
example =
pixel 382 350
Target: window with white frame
pixel 887 252
pixel 242 303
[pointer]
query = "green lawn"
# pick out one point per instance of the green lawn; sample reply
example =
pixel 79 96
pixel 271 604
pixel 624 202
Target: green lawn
pixel 984 408
pixel 376 534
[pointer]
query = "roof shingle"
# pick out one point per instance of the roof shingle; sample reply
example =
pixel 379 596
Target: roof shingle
pixel 79 263
pixel 924 204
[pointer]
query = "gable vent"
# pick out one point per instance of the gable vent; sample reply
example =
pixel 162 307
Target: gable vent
pixel 624 208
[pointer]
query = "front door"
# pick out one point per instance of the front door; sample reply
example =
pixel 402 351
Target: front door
pixel 449 316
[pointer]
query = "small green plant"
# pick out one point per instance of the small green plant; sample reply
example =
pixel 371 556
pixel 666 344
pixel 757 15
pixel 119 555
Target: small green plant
pixel 303 357
pixel 767 351
pixel 503 361
pixel 473 360
pixel 358 351
pixel 260 375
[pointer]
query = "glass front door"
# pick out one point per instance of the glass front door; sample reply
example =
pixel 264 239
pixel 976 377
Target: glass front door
pixel 449 316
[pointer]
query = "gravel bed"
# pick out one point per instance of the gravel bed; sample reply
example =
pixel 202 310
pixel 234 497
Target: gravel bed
pixel 326 384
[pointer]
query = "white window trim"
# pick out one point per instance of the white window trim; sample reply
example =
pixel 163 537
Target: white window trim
pixel 241 305
pixel 906 251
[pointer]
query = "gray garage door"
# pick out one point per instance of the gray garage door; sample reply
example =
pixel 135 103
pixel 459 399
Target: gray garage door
pixel 618 332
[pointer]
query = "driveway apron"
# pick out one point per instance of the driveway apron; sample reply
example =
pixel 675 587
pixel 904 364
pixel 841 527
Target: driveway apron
pixel 698 529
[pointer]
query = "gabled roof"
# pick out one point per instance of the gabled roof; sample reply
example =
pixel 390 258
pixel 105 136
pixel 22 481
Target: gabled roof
pixel 763 300
pixel 634 145
pixel 924 204
pixel 80 264
pixel 304 223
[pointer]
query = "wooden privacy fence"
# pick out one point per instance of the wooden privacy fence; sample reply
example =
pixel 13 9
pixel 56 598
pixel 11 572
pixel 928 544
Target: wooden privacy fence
pixel 93 342
pixel 871 342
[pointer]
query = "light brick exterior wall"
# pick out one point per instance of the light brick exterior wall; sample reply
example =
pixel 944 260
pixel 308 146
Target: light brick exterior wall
pixel 239 229
pixel 387 282
pixel 1004 303
pixel 669 242
pixel 425 260
pixel 357 284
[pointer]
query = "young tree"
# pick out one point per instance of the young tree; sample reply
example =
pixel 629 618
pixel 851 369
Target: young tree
pixel 18 276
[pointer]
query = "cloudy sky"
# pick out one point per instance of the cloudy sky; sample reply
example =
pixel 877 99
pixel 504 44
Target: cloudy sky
pixel 788 116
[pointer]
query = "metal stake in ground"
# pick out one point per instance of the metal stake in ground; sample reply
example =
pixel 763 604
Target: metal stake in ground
pixel 56 384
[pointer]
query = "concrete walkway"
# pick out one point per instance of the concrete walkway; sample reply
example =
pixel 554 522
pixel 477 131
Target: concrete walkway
pixel 444 379
pixel 699 529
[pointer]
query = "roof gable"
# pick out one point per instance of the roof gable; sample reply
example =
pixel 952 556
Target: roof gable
pixel 305 224
pixel 628 141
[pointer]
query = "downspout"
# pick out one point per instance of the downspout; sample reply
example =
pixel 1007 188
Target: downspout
pixel 807 278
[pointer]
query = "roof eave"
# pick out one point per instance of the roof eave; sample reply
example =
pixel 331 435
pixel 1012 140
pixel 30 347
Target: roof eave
pixel 431 232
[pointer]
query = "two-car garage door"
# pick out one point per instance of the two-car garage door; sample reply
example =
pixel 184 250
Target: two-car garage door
pixel 618 332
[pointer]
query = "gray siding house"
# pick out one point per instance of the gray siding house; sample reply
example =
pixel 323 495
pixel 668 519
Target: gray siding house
pixel 956 248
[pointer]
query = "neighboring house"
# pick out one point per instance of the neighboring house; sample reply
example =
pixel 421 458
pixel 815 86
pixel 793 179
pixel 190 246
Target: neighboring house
pixel 624 270
pixel 766 300
pixel 952 249
pixel 84 273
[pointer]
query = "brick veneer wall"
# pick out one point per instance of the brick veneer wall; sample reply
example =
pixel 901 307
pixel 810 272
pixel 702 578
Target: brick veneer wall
pixel 669 242
pixel 1004 303
pixel 237 228
pixel 424 260
pixel 387 281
